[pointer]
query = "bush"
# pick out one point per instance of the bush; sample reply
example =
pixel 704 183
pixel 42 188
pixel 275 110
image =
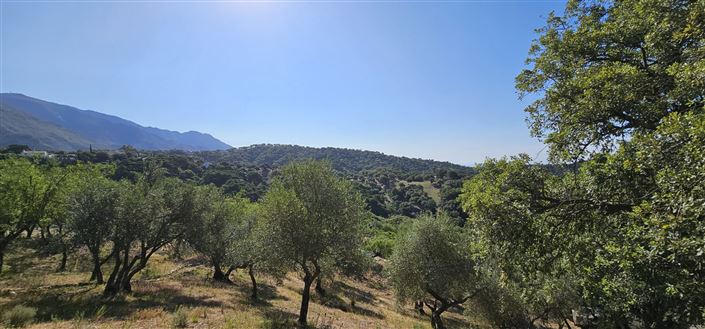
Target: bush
pixel 178 319
pixel 381 244
pixel 19 316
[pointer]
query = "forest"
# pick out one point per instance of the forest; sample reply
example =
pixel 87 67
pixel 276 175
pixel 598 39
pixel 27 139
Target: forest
pixel 608 232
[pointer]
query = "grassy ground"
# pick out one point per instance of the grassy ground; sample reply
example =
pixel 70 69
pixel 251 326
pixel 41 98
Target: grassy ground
pixel 169 289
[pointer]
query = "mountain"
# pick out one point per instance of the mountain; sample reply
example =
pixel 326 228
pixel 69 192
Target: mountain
pixel 62 127
pixel 17 127
pixel 346 160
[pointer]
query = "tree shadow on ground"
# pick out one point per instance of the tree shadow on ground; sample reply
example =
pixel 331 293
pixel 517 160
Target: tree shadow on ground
pixel 354 292
pixel 169 298
pixel 447 321
pixel 332 299
pixel 54 304
pixel 266 293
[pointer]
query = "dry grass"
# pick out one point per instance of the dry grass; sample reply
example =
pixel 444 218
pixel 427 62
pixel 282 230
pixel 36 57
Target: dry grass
pixel 67 300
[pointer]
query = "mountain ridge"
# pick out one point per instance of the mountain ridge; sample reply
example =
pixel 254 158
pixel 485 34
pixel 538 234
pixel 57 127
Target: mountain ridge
pixel 98 129
pixel 56 127
pixel 343 159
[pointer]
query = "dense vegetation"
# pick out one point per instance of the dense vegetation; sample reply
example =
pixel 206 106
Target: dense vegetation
pixel 609 234
pixel 620 94
pixel 343 160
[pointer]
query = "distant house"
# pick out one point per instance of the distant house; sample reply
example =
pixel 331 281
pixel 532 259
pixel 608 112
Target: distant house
pixel 42 154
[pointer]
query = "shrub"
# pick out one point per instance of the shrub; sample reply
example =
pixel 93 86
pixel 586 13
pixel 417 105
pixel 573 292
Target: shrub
pixel 19 316
pixel 178 319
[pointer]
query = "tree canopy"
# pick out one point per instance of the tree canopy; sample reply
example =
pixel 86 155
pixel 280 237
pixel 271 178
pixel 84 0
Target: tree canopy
pixel 605 70
pixel 432 263
pixel 618 235
pixel 312 221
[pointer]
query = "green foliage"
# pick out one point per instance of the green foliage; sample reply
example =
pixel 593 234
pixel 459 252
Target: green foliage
pixel 312 221
pixel 27 193
pixel 19 316
pixel 432 258
pixel 310 214
pixel 606 70
pixel 222 230
pixel 384 234
pixel 381 244
pixel 433 261
pixel 248 181
pixel 342 160
pixel 411 200
pixel 614 226
pixel 92 210
pixel 450 205
pixel 152 213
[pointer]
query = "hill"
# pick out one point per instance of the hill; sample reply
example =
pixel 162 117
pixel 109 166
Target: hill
pixel 61 127
pixel 345 160
pixel 17 127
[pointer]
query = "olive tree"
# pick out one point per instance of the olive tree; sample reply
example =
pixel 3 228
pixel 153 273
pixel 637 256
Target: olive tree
pixel 431 263
pixel 309 218
pixel 247 247
pixel 27 191
pixel 222 225
pixel 92 212
pixel 152 213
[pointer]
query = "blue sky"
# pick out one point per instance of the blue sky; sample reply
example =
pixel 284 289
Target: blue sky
pixel 419 79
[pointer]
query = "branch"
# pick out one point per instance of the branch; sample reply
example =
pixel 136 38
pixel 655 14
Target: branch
pixel 437 296
pixel 465 299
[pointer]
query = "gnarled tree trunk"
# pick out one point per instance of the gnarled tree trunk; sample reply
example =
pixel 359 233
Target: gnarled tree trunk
pixel 250 271
pixel 218 274
pixel 309 277
pixel 319 287
pixel 305 297
pixel 64 258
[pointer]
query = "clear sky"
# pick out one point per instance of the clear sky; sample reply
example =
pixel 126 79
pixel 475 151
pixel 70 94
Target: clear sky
pixel 421 79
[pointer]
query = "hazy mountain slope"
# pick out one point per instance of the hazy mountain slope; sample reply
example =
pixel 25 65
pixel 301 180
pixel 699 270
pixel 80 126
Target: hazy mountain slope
pixel 341 159
pixel 17 127
pixel 107 130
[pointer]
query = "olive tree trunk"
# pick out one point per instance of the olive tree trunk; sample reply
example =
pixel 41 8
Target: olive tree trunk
pixel 250 271
pixel 309 277
pixel 64 258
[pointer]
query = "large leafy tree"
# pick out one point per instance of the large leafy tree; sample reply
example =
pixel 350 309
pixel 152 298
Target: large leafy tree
pixel 624 231
pixel 433 263
pixel 605 70
pixel 27 191
pixel 311 218
pixel 620 91
pixel 152 213
pixel 223 223
pixel 92 213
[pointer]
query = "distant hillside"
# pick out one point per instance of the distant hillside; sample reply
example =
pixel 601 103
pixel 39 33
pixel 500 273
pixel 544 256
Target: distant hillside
pixel 73 129
pixel 346 160
pixel 17 127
